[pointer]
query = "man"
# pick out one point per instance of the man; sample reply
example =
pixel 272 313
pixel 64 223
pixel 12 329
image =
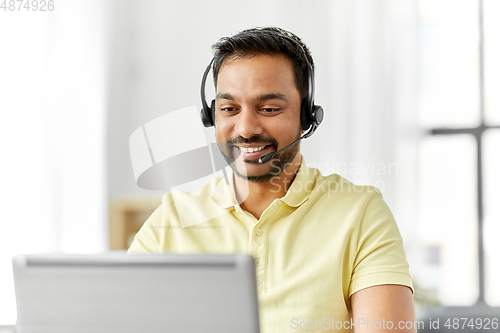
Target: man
pixel 326 250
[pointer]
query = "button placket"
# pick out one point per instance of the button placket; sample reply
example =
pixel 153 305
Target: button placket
pixel 259 239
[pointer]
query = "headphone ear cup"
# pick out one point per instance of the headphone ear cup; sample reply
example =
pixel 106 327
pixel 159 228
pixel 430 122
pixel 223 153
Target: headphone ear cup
pixel 208 115
pixel 205 117
pixel 305 114
pixel 212 113
pixel 317 114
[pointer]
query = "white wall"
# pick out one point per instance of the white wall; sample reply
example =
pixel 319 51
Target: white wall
pixel 52 134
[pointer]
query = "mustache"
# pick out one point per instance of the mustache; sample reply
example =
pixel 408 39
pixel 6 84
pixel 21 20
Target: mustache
pixel 253 139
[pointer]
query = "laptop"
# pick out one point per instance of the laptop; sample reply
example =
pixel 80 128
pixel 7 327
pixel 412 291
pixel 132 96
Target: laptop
pixel 144 293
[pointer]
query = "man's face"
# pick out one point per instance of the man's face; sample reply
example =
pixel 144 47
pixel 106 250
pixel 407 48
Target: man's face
pixel 257 107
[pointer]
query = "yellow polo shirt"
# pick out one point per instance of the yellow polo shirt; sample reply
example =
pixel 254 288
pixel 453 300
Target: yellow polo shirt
pixel 323 241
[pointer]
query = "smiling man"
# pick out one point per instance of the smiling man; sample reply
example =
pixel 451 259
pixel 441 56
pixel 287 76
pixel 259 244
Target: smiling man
pixel 328 253
pixel 258 112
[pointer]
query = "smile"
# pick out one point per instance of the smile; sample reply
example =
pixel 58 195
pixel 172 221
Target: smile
pixel 251 150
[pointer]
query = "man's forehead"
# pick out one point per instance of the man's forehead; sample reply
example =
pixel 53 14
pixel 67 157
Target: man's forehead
pixel 260 77
pixel 257 98
pixel 256 61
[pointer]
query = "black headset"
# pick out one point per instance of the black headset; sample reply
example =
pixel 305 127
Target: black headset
pixel 310 115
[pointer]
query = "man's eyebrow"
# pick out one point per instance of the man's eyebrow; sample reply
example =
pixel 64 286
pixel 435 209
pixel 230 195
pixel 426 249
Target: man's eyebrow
pixel 224 96
pixel 266 97
pixel 263 97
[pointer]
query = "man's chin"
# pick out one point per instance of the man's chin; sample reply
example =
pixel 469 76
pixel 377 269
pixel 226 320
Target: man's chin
pixel 255 178
pixel 252 176
pixel 254 161
pixel 252 170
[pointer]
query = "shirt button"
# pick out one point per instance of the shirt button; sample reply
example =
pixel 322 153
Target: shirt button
pixel 257 262
pixel 259 232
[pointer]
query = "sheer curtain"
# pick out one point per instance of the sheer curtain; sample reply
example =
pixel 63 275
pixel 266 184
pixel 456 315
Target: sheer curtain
pixel 52 109
pixel 372 83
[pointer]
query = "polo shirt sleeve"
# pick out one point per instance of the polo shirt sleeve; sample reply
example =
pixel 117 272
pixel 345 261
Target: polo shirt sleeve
pixel 380 256
pixel 147 240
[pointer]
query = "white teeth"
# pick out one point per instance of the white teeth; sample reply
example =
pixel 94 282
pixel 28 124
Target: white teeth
pixel 251 150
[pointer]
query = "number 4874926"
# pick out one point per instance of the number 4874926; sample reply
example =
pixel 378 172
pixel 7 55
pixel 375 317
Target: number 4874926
pixel 472 323
pixel 27 5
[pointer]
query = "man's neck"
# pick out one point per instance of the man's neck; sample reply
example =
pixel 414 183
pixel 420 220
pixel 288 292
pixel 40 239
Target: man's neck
pixel 259 195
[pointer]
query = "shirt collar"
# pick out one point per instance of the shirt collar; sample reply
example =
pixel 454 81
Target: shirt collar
pixel 301 186
pixel 224 196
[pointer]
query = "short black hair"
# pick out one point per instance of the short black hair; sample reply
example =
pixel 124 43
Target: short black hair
pixel 269 41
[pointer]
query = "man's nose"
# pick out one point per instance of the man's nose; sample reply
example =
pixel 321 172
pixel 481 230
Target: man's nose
pixel 248 123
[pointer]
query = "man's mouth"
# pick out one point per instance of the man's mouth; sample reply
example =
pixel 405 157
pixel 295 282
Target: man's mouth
pixel 253 152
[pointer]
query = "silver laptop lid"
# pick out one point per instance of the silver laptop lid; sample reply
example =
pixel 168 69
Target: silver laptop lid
pixel 136 293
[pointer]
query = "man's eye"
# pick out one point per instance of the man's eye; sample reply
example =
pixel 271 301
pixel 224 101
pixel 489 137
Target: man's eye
pixel 227 109
pixel 270 110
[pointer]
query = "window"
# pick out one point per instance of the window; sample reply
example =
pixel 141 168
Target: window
pixel 459 213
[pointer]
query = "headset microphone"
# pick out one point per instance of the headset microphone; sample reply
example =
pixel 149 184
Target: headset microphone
pixel 266 158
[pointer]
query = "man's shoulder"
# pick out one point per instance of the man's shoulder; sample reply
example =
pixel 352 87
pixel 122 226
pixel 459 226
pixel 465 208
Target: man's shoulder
pixel 189 208
pixel 201 194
